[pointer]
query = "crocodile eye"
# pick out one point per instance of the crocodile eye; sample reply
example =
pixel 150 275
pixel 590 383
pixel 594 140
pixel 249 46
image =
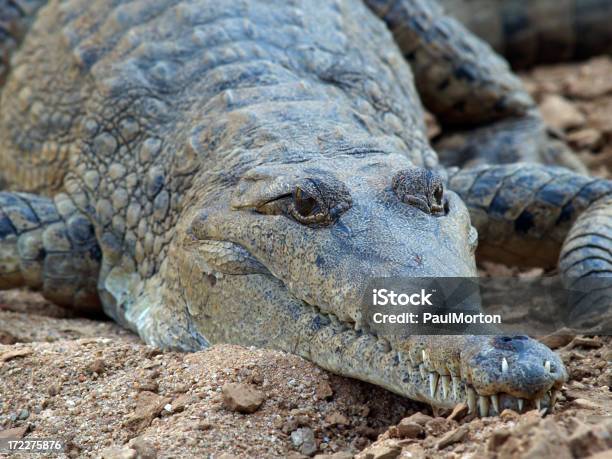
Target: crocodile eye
pixel 304 204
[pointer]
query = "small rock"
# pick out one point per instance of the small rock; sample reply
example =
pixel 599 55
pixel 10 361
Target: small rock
pixel 97 366
pixel 23 415
pixel 324 390
pixel 560 113
pixel 451 437
pixel 53 390
pixel 144 448
pixel 557 339
pixel 119 453
pixel 10 355
pixel 338 455
pixel 594 80
pixel 585 404
pixel 585 139
pixel 381 452
pixel 409 429
pixel 256 377
pixel 418 418
pixel 414 451
pixel 336 418
pixel 578 341
pixel 303 439
pixel 147 385
pixel 181 402
pixel 148 407
pixel 16 433
pixel 459 411
pixel 243 398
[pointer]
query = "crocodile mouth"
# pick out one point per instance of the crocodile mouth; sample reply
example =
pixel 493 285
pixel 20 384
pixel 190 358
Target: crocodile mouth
pixel 440 370
pixel 445 389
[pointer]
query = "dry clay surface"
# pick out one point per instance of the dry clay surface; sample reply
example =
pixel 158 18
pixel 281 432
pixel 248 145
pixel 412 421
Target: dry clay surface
pixel 98 388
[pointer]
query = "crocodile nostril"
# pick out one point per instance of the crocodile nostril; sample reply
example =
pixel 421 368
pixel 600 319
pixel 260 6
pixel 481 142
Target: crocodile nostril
pixel 420 188
pixel 507 339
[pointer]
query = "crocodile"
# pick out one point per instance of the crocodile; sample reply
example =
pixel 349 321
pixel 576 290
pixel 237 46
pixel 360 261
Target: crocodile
pixel 210 171
pixel 543 31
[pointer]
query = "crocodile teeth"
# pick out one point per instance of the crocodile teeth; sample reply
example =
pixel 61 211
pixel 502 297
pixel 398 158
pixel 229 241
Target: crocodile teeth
pixel 483 405
pixel 538 403
pixel 504 365
pixel 445 385
pixel 412 361
pixel 547 366
pixel 495 402
pixel 422 370
pixel 455 386
pixel 433 383
pixel 471 399
pixel 425 356
pixel 521 404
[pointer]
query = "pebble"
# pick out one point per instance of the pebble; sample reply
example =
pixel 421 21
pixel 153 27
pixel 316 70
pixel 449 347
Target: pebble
pixel 324 391
pixel 336 418
pixel 585 404
pixel 97 366
pixel 243 398
pixel 119 453
pixel 144 448
pixel 303 439
pixel 585 139
pixel 418 418
pixel 560 113
pixel 452 437
pixel 408 429
pixel 459 411
pixel 381 452
pixel 148 407
pixel 337 455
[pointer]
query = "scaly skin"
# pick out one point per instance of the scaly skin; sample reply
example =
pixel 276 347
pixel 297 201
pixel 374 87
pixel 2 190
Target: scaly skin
pixel 527 32
pixel 247 168
pixel 16 17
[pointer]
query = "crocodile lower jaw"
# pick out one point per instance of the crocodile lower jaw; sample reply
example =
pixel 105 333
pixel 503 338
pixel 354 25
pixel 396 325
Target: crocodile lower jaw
pixel 447 391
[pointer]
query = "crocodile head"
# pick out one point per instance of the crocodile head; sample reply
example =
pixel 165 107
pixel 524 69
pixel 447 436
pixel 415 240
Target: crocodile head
pixel 285 259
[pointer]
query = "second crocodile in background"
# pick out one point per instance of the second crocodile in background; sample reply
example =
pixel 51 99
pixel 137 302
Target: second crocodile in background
pixel 236 171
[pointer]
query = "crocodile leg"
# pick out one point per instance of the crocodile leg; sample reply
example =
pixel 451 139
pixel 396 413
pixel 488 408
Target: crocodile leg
pixel 466 85
pixel 49 246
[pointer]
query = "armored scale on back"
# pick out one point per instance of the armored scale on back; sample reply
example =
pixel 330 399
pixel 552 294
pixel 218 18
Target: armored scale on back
pixel 235 171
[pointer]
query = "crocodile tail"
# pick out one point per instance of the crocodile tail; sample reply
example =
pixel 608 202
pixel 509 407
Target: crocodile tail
pixel 585 263
pixel 527 32
pixel 524 212
pixel 49 246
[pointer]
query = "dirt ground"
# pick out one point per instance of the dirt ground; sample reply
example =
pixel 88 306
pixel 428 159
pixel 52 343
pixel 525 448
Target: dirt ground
pixel 105 394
